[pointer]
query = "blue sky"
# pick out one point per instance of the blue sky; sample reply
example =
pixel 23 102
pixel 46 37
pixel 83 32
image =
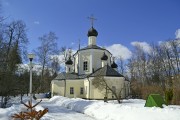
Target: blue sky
pixel 118 21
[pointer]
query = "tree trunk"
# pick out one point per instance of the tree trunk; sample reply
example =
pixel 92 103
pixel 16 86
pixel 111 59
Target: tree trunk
pixel 2 102
pixel 118 101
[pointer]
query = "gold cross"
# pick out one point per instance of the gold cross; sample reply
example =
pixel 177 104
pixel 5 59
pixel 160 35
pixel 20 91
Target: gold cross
pixel 91 18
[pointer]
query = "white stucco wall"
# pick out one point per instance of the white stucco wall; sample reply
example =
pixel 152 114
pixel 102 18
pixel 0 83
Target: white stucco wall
pixel 93 57
pixel 76 84
pixel 57 87
pixel 118 82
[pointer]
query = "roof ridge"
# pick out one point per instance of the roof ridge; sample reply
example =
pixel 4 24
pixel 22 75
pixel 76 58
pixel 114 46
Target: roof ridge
pixel 106 71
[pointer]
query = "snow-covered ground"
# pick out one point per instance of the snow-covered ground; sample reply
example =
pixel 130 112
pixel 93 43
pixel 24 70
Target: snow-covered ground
pixel 58 112
pixel 61 108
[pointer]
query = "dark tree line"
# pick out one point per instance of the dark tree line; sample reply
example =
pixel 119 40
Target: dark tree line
pixel 13 38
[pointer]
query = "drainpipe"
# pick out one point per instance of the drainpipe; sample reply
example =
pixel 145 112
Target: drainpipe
pixel 89 88
pixel 65 85
pixel 74 63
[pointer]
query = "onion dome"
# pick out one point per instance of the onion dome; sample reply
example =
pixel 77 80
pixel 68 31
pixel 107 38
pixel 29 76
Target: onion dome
pixel 114 65
pixel 69 61
pixel 92 32
pixel 104 57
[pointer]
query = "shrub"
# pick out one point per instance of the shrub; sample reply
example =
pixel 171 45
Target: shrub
pixel 168 96
pixel 31 114
pixel 151 89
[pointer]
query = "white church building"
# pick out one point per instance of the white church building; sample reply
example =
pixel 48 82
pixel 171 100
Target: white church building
pixel 83 67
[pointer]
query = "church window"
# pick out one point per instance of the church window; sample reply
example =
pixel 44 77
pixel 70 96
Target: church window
pixel 71 90
pixel 81 90
pixel 69 69
pixel 85 66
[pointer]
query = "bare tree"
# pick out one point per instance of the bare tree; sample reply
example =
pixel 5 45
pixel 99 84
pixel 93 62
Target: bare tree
pixel 175 48
pixel 47 48
pixel 155 68
pixel 138 66
pixel 63 51
pixel 15 32
pixel 121 65
pixel 55 65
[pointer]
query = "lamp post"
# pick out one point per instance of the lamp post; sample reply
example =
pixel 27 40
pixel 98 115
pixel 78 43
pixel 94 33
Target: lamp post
pixel 30 56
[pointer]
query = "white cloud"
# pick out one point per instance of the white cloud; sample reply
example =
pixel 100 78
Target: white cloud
pixel 177 33
pixel 145 46
pixel 119 50
pixel 36 22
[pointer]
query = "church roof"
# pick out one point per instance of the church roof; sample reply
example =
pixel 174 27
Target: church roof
pixel 64 76
pixel 106 71
pixel 92 47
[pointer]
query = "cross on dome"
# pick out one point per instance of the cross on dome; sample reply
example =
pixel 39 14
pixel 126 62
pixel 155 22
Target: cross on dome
pixel 92 31
pixel 91 18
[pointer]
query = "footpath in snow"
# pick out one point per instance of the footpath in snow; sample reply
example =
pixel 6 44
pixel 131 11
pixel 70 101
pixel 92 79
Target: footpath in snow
pixel 58 112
